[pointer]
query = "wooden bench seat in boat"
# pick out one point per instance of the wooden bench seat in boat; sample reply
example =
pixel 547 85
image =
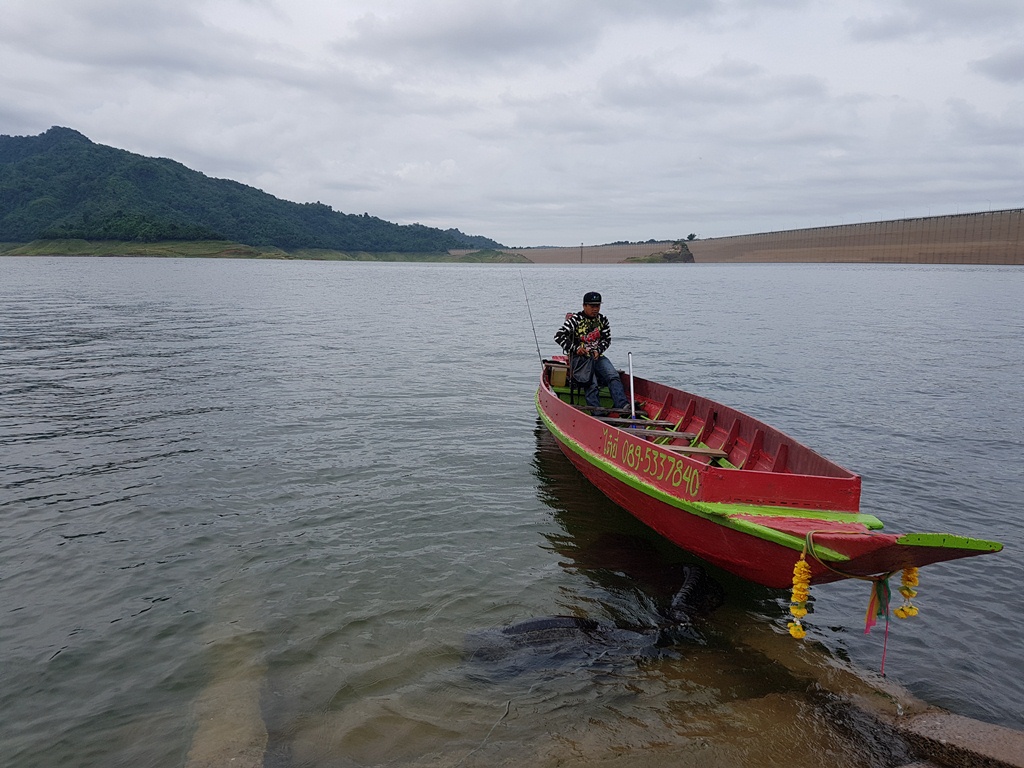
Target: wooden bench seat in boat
pixel 641 421
pixel 715 453
pixel 609 407
pixel 640 431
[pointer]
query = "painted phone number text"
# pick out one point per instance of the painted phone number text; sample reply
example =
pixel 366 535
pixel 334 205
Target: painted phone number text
pixel 647 460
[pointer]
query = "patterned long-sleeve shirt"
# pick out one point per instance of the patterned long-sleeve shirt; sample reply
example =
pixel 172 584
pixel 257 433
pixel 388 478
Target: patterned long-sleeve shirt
pixel 592 333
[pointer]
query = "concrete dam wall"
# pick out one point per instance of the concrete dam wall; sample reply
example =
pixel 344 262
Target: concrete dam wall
pixel 993 237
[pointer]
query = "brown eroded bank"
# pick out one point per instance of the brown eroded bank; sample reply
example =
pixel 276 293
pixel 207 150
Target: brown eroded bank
pixel 993 237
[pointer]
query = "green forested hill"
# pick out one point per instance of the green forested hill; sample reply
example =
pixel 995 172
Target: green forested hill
pixel 61 185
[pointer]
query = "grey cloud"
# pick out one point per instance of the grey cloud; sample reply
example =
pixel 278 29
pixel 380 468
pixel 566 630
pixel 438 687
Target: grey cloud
pixel 935 19
pixel 130 47
pixel 733 69
pixel 881 28
pixel 479 34
pixel 974 129
pixel 569 117
pixel 19 121
pixel 729 84
pixel 1007 66
pixel 981 14
pixel 168 46
pixel 676 10
pixel 466 32
pixel 165 38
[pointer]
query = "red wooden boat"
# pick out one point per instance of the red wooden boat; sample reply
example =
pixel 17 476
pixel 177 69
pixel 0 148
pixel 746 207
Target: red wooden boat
pixel 731 489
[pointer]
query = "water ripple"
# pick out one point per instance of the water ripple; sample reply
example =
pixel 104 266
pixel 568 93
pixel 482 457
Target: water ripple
pixel 322 476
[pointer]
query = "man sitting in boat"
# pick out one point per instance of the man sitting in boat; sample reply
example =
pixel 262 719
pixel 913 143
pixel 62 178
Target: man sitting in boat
pixel 584 337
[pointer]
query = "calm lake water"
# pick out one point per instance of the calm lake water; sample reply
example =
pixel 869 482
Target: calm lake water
pixel 243 497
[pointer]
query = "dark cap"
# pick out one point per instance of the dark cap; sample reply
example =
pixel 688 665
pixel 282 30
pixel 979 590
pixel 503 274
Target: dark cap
pixel 591 297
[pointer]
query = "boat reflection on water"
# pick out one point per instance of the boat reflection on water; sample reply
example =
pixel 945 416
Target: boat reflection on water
pixel 620 557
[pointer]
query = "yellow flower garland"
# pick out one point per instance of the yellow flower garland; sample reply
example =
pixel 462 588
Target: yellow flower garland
pixel 909 581
pixel 798 599
pixel 801 594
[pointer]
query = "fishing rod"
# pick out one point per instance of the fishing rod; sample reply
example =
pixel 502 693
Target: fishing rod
pixel 534 327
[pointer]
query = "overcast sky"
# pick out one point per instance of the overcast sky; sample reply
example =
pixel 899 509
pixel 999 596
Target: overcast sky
pixel 548 122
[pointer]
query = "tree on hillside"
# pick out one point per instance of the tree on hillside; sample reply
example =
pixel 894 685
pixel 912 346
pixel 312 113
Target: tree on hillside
pixel 61 185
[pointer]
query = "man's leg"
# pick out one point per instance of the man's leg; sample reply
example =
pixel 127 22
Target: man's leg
pixel 606 375
pixel 592 390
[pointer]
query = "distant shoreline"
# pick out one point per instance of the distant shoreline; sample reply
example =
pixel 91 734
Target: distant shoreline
pixel 217 249
pixel 992 237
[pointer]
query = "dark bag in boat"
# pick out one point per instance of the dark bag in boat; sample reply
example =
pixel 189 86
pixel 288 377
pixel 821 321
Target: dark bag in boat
pixel 582 369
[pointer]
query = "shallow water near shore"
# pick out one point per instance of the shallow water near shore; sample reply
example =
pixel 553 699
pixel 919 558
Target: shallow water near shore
pixel 288 491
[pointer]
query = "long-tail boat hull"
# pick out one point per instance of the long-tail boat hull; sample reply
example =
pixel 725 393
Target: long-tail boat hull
pixel 732 490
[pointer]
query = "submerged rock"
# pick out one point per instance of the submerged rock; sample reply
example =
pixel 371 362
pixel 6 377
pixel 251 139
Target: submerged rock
pixel 548 641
